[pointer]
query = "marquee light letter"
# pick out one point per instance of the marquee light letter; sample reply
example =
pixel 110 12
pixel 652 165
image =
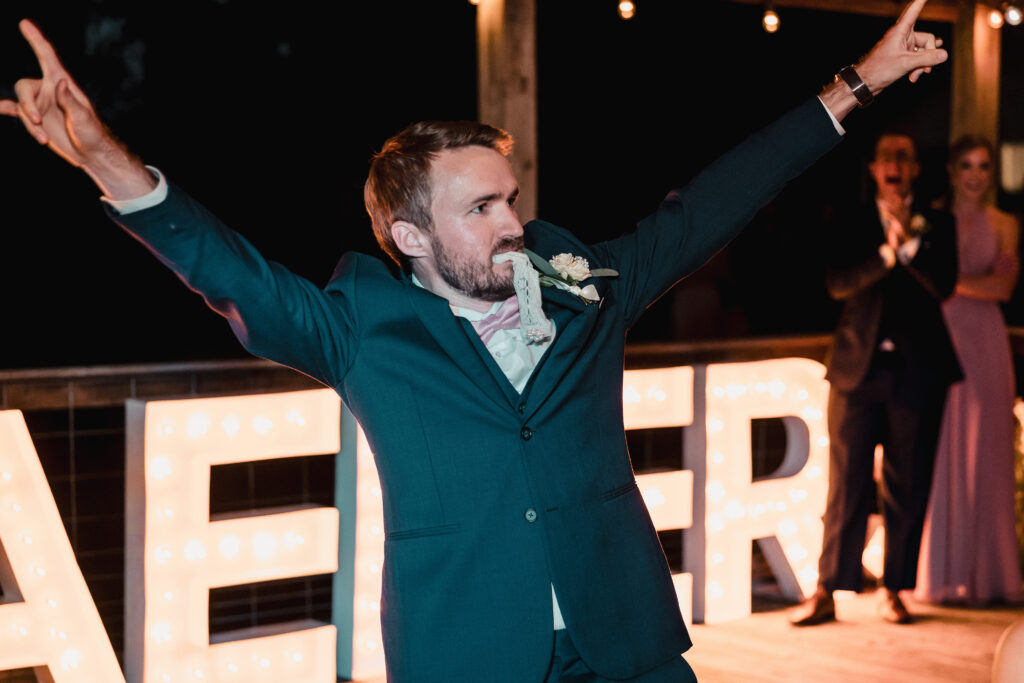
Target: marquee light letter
pixel 357 584
pixel 48 618
pixel 664 398
pixel 783 512
pixel 175 553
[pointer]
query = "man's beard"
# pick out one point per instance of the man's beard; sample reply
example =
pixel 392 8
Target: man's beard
pixel 477 280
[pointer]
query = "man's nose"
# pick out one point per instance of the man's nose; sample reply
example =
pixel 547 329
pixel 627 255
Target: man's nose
pixel 511 224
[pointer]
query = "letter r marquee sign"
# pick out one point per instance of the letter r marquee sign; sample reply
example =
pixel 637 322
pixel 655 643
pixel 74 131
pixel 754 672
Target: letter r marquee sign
pixel 175 552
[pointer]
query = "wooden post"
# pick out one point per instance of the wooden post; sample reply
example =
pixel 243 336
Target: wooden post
pixel 507 83
pixel 975 56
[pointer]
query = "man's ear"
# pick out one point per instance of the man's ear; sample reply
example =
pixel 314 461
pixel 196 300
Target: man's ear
pixel 409 239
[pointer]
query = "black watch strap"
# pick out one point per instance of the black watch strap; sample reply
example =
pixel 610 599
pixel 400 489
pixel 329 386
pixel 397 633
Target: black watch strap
pixel 860 89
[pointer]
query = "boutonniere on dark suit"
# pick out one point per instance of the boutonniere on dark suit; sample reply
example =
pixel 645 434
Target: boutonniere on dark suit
pixel 919 225
pixel 566 272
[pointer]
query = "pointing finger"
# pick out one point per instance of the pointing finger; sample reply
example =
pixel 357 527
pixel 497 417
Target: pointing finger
pixel 910 14
pixel 49 62
pixel 8 108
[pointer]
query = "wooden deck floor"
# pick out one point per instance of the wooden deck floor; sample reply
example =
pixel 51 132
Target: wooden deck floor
pixel 943 645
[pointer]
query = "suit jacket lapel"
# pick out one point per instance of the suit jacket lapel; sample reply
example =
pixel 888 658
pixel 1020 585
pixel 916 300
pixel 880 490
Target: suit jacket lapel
pixel 574 322
pixel 436 315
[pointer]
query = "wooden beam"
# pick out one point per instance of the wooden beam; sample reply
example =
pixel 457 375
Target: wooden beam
pixel 975 54
pixel 935 10
pixel 507 84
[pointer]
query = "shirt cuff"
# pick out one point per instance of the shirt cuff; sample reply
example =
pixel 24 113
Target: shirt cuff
pixel 146 201
pixel 908 250
pixel 835 121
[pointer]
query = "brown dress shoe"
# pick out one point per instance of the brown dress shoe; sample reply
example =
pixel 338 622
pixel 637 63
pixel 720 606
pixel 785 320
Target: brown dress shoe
pixel 892 608
pixel 816 609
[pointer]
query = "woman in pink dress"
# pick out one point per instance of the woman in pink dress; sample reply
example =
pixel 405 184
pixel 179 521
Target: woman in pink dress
pixel 969 549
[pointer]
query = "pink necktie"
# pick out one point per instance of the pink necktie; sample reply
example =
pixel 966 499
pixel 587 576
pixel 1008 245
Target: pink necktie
pixel 505 318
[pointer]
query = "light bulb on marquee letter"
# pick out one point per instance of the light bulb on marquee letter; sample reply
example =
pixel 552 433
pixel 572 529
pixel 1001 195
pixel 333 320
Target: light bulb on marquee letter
pixel 173 560
pixel 47 618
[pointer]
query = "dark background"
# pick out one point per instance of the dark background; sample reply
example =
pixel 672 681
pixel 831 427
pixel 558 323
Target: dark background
pixel 270 116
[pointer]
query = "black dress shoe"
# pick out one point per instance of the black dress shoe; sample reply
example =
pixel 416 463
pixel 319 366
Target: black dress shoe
pixel 816 609
pixel 892 608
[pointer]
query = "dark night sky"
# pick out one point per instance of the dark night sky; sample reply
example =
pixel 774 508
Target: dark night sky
pixel 269 117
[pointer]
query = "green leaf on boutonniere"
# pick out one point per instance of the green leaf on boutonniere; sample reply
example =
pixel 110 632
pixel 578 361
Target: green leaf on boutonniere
pixel 540 264
pixel 604 272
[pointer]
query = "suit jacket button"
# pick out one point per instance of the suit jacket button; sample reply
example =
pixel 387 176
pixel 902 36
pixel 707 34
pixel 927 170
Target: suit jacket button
pixel 527 433
pixel 521 407
pixel 530 515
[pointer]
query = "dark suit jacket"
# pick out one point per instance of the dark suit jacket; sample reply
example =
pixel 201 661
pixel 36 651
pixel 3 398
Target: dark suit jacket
pixel 905 300
pixel 491 496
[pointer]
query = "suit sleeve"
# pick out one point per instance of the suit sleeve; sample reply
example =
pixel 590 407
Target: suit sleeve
pixel 273 312
pixel 855 263
pixel 694 222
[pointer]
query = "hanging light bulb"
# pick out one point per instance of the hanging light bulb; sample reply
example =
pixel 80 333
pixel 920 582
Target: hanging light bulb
pixel 627 9
pixel 995 18
pixel 770 21
pixel 1013 14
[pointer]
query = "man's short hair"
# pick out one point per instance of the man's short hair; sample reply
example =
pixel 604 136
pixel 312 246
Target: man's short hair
pixel 398 184
pixel 894 133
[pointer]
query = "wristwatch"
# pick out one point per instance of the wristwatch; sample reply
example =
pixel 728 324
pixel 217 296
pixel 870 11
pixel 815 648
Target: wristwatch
pixel 860 89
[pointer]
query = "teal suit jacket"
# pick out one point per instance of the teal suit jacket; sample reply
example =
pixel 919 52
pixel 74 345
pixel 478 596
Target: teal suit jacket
pixel 490 497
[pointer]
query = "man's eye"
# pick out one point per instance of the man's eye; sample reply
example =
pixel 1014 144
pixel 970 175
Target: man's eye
pixel 478 209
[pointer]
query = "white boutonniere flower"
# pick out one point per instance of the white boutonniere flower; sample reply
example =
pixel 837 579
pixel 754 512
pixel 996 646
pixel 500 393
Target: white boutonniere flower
pixel 571 267
pixel 566 271
pixel 919 225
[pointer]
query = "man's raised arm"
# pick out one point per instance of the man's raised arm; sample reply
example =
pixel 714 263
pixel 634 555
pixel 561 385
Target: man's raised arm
pixel 58 114
pixel 273 312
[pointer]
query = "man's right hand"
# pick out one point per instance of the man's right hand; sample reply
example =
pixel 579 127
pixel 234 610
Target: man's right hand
pixel 56 112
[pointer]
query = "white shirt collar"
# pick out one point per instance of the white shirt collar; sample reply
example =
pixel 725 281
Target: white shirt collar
pixel 467 313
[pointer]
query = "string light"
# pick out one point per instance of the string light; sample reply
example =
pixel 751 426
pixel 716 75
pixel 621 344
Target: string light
pixel 995 18
pixel 770 21
pixel 1013 14
pixel 627 9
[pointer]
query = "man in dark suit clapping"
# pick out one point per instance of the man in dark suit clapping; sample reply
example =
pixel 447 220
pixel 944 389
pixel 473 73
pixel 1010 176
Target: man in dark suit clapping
pixel 890 366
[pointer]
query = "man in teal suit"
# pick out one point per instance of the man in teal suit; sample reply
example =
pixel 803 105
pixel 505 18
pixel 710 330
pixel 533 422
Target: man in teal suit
pixel 517 545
